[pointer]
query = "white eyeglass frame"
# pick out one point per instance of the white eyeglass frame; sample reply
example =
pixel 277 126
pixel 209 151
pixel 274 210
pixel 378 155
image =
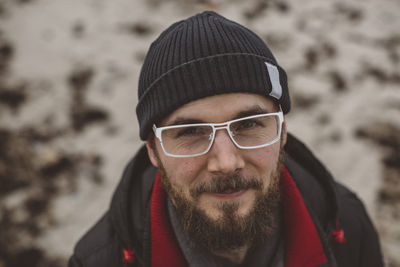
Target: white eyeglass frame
pixel 219 126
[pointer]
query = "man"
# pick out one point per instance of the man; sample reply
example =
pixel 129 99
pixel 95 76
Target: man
pixel 220 182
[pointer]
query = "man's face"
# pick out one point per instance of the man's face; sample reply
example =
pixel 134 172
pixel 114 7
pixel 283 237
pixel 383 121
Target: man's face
pixel 204 183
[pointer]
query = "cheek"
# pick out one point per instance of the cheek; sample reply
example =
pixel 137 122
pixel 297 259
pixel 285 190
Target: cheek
pixel 266 158
pixel 183 172
pixel 265 161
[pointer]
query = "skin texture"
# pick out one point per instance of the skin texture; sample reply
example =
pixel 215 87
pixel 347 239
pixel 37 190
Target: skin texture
pixel 223 160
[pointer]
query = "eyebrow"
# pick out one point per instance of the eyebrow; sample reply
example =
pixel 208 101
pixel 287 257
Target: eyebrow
pixel 255 110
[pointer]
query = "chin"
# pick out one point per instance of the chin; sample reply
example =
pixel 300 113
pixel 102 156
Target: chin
pixel 214 207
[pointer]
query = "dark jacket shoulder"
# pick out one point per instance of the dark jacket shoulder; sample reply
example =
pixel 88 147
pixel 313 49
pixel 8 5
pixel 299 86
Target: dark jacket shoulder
pixel 125 225
pixel 362 247
pixel 98 247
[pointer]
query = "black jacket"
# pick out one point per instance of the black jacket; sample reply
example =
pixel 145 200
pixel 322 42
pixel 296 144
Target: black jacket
pixel 126 225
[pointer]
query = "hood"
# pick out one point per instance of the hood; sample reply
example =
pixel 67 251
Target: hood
pixel 130 205
pixel 313 180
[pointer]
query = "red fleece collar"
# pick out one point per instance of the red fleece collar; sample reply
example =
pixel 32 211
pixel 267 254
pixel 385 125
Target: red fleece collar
pixel 165 251
pixel 303 246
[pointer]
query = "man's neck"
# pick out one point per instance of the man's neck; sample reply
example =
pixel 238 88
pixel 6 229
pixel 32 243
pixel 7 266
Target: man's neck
pixel 236 256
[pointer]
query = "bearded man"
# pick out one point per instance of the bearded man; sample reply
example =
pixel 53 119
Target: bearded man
pixel 220 181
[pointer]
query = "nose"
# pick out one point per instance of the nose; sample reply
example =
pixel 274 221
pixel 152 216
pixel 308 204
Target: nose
pixel 224 157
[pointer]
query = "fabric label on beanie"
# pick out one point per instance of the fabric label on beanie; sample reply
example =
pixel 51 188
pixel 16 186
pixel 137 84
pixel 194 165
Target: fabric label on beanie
pixel 273 74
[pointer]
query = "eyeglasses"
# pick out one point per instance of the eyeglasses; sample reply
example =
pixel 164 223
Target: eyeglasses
pixel 191 140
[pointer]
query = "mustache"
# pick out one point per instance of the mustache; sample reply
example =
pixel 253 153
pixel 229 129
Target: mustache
pixel 219 184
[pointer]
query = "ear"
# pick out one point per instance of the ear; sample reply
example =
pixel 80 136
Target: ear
pixel 284 133
pixel 151 150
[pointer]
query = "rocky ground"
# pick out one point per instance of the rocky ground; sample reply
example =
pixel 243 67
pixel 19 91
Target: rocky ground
pixel 68 81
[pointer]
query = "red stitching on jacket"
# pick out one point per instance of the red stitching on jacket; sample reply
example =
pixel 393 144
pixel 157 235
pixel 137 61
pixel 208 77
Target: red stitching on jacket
pixel 338 234
pixel 129 255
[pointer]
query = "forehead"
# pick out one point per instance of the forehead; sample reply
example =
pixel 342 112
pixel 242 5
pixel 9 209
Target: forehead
pixel 220 108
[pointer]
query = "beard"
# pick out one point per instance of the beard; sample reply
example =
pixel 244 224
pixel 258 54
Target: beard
pixel 229 230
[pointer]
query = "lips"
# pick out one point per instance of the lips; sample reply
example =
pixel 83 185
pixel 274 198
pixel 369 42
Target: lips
pixel 228 195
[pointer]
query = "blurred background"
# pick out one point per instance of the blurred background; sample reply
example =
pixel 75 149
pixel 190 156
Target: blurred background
pixel 68 81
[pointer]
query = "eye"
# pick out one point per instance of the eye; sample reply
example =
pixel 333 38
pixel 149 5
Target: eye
pixel 246 124
pixel 192 131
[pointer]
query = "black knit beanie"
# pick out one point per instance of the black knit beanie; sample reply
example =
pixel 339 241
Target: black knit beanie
pixel 202 56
